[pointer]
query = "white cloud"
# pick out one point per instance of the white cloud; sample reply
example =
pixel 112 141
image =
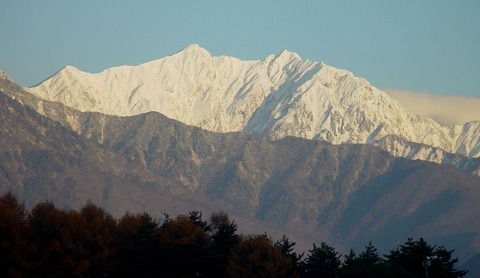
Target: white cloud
pixel 446 110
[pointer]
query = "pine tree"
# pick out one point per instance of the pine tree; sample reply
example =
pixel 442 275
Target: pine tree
pixel 322 261
pixel 224 235
pixel 366 264
pixel 416 258
pixel 196 218
pixel 287 247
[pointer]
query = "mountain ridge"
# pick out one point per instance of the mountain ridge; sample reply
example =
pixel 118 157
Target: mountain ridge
pixel 281 95
pixel 346 194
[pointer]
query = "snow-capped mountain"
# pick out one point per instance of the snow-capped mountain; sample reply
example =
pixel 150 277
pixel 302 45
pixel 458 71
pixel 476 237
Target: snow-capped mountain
pixel 281 95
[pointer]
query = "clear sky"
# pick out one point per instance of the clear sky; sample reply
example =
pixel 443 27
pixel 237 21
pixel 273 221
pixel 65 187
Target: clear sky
pixel 427 46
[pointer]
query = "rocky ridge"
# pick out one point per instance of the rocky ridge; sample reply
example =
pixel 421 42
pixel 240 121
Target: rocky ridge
pixel 281 95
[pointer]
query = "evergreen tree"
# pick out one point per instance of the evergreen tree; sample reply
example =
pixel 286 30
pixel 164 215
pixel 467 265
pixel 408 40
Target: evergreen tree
pixel 408 259
pixel 287 247
pixel 224 235
pixel 366 264
pixel 322 261
pixel 443 265
pixel 350 265
pixel 416 258
pixel 224 232
pixel 196 218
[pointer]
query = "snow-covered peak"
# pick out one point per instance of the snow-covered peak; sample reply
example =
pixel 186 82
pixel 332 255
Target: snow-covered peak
pixel 281 95
pixel 288 55
pixel 194 50
pixel 67 72
pixel 69 68
pixel 284 57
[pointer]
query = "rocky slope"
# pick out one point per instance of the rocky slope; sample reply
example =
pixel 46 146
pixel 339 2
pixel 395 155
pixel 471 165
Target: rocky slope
pixel 42 160
pixel 281 95
pixel 344 194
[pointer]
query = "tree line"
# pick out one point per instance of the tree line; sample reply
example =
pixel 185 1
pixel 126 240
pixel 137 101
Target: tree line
pixel 51 242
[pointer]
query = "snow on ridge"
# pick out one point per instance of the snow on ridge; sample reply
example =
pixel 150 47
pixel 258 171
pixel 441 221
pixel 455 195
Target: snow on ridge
pixel 281 95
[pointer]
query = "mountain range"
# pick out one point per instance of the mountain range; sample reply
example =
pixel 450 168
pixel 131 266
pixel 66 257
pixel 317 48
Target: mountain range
pixel 279 96
pixel 345 193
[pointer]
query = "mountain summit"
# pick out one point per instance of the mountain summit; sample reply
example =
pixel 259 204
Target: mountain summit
pixel 281 95
pixel 5 76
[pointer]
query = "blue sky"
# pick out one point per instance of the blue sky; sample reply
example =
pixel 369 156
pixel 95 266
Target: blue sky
pixel 428 46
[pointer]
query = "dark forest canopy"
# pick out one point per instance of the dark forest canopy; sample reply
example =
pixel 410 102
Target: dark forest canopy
pixel 52 242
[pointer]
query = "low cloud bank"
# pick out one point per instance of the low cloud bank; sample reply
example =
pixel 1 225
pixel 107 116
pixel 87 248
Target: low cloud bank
pixel 446 110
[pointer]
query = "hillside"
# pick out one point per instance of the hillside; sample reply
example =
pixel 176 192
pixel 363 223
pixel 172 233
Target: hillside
pixel 346 194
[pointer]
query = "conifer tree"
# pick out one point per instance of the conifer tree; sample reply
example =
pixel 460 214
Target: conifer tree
pixel 224 235
pixel 322 261
pixel 416 258
pixel 287 249
pixel 366 264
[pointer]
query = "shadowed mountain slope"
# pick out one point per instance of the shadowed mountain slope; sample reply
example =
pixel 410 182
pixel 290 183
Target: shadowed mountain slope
pixel 346 194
